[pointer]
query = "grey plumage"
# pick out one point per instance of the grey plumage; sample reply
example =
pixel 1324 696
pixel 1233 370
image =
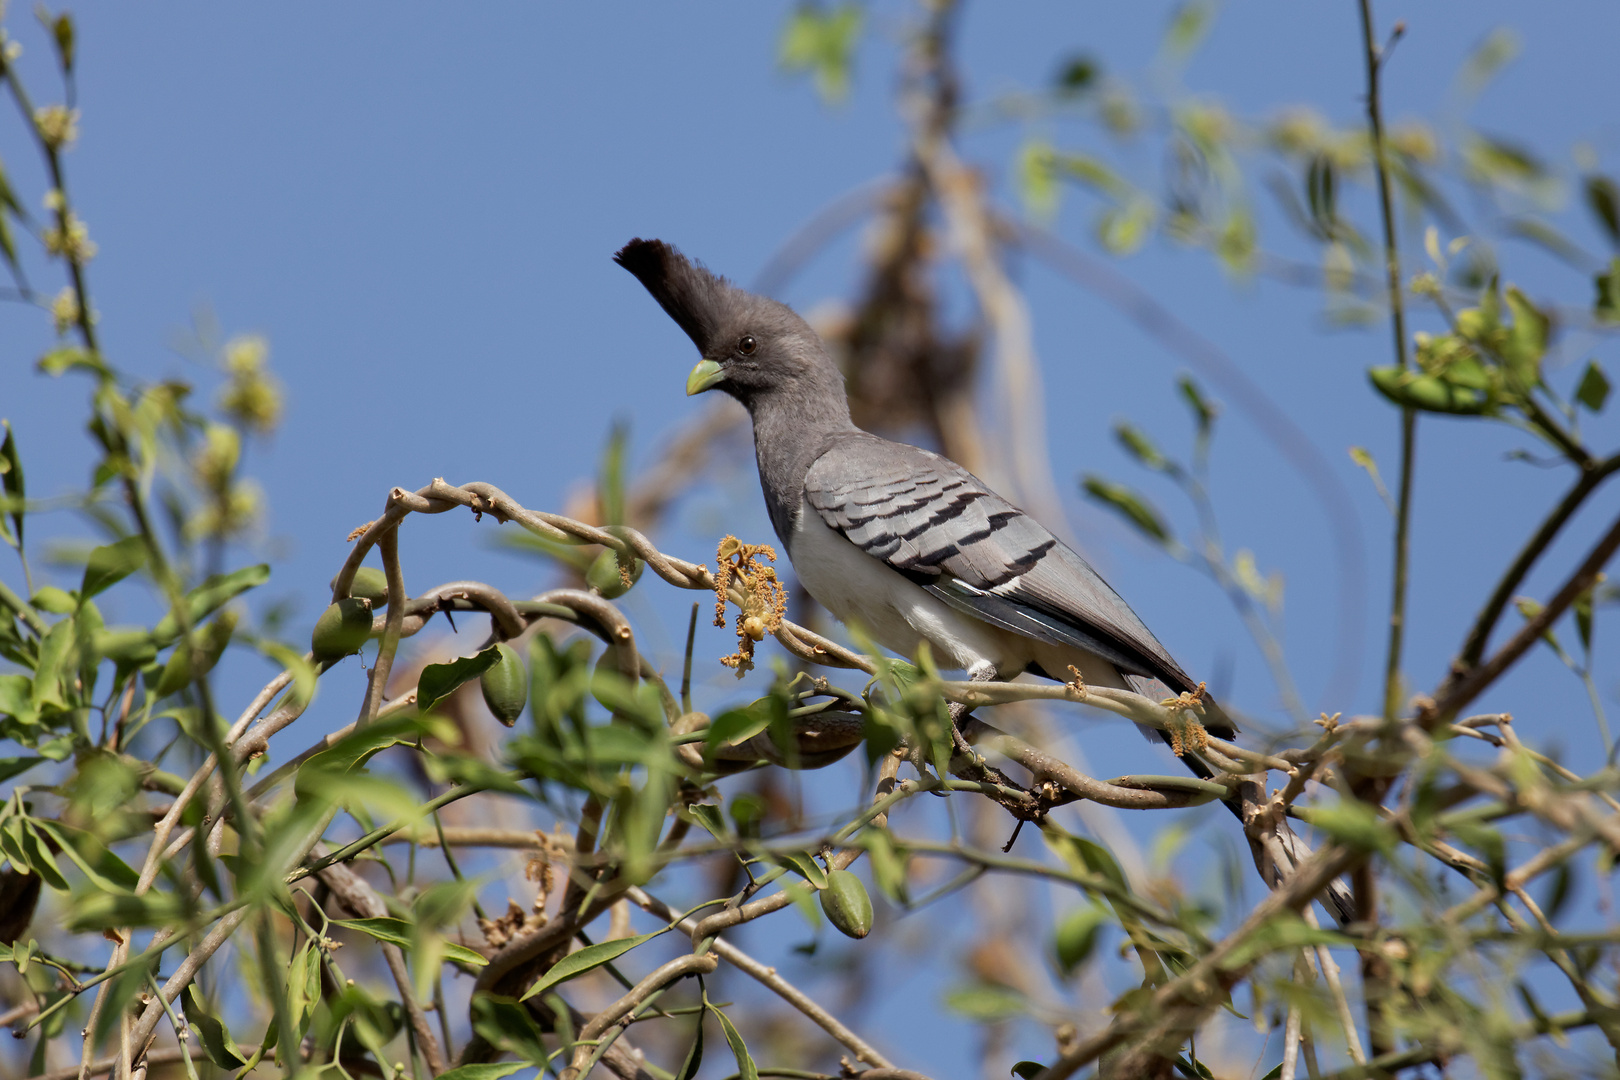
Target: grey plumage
pixel 942 528
pixel 897 539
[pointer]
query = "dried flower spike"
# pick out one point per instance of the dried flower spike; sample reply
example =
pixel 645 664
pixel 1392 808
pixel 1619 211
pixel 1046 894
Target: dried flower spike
pixel 764 601
pixel 1186 731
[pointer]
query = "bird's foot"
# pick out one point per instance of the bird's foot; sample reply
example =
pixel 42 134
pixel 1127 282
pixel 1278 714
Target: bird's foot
pixel 959 712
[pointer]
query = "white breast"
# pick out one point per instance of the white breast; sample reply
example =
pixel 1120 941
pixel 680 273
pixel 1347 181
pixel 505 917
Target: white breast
pixel 863 592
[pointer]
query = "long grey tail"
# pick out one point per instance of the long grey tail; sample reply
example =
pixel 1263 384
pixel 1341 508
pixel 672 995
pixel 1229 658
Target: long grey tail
pixel 1279 851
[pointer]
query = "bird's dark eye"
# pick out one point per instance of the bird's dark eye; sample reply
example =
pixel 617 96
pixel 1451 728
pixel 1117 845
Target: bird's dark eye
pixel 747 345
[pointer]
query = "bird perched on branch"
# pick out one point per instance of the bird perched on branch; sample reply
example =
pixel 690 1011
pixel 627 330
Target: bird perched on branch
pixel 900 541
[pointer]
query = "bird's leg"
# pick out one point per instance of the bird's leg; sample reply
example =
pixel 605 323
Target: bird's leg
pixel 983 671
pixel 968 764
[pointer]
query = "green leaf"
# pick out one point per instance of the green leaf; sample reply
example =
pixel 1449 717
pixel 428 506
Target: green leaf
pixel 639 702
pixel 111 564
pixel 1037 183
pixel 806 867
pixel 746 1069
pixel 103 910
pixel 17 701
pixel 393 931
pixel 1363 458
pixel 93 858
pixel 186 666
pixel 610 476
pixel 986 1003
pixel 587 959
pixel 120 993
pixel 1355 824
pixel 1282 932
pixel 1527 341
pixel 1604 201
pixel 822 41
pixel 1497 50
pixel 443 903
pixel 1124 228
pixel 1076 74
pixel 56 601
pixel 491 1071
pixel 53 654
pixel 1321 191
pixel 1189 24
pixel 208 597
pixel 71 357
pixel 14 766
pixel 11 474
pixel 1084 855
pixel 888 864
pixel 61 29
pixel 448 767
pixel 350 753
pixel 303 985
pixel 1593 391
pixel 461 954
pixel 737 725
pixel 1077 935
pixel 8 244
pixel 439 681
pixel 1196 1067
pixel 1582 608
pixel 508 1026
pixel 804 899
pixel 304 674
pixel 694 1056
pixel 1126 503
pixel 1497 161
pixel 1204 410
pixel 1139 446
pixel 1094 173
pixel 216 1040
pixel 1606 307
pixel 747 810
pixel 712 819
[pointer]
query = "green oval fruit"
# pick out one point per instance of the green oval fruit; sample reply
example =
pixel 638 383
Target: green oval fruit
pixel 371 584
pixel 505 685
pixel 603 577
pixel 846 905
pixel 341 629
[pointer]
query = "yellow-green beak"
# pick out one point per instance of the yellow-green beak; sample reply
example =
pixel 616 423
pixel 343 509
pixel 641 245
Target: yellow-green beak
pixel 705 375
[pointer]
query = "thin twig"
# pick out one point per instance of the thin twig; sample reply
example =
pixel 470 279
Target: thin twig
pixel 734 956
pixel 679 968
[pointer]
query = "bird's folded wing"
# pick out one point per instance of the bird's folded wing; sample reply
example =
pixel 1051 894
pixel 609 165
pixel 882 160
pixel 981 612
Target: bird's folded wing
pixel 936 523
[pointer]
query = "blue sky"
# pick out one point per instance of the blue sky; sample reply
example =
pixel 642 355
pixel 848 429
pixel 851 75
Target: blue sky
pixel 417 206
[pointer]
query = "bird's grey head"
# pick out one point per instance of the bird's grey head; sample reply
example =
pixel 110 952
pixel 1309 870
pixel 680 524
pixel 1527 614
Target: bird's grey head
pixel 755 349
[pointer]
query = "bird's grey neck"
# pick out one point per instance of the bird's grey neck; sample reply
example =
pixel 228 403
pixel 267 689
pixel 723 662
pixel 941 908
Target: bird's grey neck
pixel 789 434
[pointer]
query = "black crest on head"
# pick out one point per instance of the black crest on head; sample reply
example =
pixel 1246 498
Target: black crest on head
pixel 691 295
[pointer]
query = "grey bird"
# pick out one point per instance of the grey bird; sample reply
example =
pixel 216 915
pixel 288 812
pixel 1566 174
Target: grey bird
pixel 898 540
